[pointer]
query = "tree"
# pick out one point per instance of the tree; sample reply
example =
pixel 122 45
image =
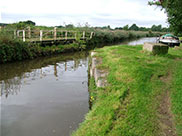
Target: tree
pixel 126 27
pixel 118 28
pixel 69 26
pixel 156 28
pixel 134 27
pixel 174 13
pixel 29 22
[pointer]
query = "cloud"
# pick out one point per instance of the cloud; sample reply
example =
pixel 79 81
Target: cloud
pixel 96 12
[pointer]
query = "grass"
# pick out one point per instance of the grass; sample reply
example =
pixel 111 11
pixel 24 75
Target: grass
pixel 128 106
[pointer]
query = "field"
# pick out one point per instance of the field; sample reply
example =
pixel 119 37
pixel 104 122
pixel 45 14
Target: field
pixel 143 96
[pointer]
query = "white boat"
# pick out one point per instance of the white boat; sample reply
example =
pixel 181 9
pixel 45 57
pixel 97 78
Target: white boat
pixel 170 40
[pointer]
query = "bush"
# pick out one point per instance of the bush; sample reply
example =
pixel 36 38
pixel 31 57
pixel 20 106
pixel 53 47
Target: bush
pixel 14 50
pixel 109 37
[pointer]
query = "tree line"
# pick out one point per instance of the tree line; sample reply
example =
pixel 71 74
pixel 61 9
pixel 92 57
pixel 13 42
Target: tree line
pixel 134 27
pixel 157 28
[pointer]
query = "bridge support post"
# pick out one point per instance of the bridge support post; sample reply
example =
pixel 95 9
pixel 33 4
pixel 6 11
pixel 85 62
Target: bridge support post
pixel 14 33
pixel 18 33
pixel 55 33
pixel 75 35
pixel 83 34
pixel 24 35
pixel 41 35
pixel 29 32
pixel 91 35
pixel 66 35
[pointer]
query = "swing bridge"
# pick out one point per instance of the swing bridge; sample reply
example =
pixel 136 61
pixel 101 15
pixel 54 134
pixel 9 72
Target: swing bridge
pixel 55 35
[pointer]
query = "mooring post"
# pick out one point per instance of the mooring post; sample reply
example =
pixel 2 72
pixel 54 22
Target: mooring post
pixel 29 32
pixel 24 35
pixel 66 35
pixel 83 34
pixel 55 33
pixel 41 35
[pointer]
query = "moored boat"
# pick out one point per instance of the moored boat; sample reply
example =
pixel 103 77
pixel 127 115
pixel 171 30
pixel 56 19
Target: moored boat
pixel 170 40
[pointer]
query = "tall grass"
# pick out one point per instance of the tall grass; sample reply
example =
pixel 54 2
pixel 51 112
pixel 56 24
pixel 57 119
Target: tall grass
pixel 109 37
pixel 15 50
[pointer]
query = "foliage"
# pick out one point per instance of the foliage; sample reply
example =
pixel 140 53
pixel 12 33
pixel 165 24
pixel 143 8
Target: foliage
pixel 28 22
pixel 15 50
pixel 69 26
pixel 156 28
pixel 174 12
pixel 110 37
pixel 3 24
pixel 126 27
pixel 134 27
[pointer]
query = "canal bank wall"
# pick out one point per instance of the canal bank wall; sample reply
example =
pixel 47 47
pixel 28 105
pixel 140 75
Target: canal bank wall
pixel 96 73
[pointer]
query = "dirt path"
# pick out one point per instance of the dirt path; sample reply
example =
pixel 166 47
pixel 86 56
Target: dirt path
pixel 166 119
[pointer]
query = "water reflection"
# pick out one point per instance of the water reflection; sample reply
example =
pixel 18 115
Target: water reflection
pixel 14 75
pixel 142 41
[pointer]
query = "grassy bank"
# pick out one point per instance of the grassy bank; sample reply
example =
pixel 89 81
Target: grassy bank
pixel 143 96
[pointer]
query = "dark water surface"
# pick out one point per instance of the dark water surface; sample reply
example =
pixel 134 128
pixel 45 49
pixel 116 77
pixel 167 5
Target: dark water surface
pixel 44 97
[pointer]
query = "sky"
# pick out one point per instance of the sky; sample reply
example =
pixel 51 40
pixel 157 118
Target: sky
pixel 115 13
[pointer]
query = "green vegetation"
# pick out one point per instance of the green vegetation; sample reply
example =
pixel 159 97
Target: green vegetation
pixel 174 12
pixel 14 50
pixel 134 27
pixel 136 97
pixel 109 37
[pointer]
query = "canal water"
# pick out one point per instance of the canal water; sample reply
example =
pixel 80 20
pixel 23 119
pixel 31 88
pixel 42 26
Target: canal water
pixel 47 96
pixel 142 41
pixel 44 97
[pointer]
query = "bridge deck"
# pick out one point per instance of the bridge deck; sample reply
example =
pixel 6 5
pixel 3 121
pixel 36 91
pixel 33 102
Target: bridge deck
pixel 49 39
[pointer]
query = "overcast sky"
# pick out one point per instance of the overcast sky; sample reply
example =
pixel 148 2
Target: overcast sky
pixel 115 13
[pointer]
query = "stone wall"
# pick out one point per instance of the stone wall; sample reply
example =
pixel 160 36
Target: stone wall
pixel 98 74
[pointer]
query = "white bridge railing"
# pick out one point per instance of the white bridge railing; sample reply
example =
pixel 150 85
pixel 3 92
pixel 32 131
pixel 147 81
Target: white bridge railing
pixel 51 35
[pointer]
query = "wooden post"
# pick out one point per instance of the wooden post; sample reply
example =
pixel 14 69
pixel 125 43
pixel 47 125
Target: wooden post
pixel 29 32
pixel 91 35
pixel 14 33
pixel 83 34
pixel 65 66
pixel 55 33
pixel 24 35
pixel 75 35
pixel 66 35
pixel 41 32
pixel 18 33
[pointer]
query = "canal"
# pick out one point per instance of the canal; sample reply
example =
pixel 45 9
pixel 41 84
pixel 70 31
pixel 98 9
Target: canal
pixel 46 96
